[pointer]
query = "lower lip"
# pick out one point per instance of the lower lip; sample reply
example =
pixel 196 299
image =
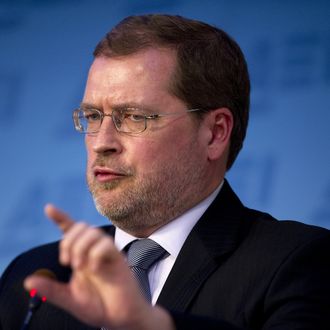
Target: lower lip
pixel 107 177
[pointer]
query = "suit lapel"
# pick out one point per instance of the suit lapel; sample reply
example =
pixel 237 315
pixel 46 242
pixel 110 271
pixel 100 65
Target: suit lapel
pixel 109 229
pixel 216 235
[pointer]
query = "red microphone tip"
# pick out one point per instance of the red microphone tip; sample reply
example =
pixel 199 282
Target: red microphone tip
pixel 33 292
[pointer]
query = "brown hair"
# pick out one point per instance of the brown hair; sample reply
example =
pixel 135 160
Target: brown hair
pixel 211 69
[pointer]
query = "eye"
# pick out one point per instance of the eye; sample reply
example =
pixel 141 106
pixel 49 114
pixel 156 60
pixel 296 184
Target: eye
pixel 91 115
pixel 135 117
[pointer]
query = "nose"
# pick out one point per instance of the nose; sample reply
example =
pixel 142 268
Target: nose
pixel 108 139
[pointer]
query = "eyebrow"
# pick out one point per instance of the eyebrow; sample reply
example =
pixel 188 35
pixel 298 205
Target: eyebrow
pixel 88 106
pixel 119 106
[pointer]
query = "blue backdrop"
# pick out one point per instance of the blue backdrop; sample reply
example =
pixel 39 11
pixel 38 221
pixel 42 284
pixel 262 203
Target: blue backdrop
pixel 45 53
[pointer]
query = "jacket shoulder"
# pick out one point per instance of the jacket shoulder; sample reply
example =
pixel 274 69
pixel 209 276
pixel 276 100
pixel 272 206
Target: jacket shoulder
pixel 283 233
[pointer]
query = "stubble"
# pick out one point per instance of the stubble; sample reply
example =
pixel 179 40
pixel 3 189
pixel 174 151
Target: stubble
pixel 140 204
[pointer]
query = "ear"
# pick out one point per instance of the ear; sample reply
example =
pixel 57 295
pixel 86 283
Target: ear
pixel 220 124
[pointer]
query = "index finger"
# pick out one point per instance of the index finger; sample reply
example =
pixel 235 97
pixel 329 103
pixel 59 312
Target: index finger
pixel 60 218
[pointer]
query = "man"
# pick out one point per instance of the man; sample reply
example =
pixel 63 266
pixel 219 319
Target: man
pixel 165 112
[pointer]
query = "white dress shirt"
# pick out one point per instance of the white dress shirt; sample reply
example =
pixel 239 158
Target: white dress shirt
pixel 171 237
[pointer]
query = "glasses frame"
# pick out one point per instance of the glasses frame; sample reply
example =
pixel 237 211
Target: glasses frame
pixel 154 116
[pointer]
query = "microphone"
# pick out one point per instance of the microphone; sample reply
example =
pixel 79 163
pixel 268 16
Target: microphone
pixel 35 300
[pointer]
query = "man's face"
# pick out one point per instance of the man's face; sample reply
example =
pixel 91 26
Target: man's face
pixel 142 181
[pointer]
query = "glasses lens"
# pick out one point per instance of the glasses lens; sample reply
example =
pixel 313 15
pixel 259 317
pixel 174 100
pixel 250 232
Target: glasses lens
pixel 126 121
pixel 88 120
pixel 129 120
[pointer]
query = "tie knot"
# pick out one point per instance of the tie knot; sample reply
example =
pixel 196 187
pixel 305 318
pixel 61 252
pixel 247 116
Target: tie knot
pixel 144 253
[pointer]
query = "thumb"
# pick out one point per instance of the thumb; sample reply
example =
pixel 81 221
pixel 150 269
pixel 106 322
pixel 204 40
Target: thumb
pixel 61 295
pixel 54 291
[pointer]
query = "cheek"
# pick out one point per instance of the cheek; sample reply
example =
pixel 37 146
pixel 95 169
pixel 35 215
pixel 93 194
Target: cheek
pixel 146 155
pixel 143 153
pixel 89 152
pixel 152 156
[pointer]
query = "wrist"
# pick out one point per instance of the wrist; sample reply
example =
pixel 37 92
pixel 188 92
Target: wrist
pixel 159 319
pixel 151 318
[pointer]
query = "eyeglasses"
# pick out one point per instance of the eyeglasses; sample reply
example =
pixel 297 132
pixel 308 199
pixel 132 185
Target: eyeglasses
pixel 128 120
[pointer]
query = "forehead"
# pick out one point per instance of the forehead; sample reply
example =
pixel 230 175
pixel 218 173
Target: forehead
pixel 133 78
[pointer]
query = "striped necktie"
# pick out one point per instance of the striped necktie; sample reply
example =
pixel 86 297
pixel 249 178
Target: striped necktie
pixel 141 255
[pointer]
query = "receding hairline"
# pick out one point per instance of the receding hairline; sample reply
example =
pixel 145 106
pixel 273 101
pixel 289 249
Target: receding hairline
pixel 172 51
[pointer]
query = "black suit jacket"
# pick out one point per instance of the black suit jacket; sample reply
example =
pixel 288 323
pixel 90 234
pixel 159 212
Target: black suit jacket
pixel 239 268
